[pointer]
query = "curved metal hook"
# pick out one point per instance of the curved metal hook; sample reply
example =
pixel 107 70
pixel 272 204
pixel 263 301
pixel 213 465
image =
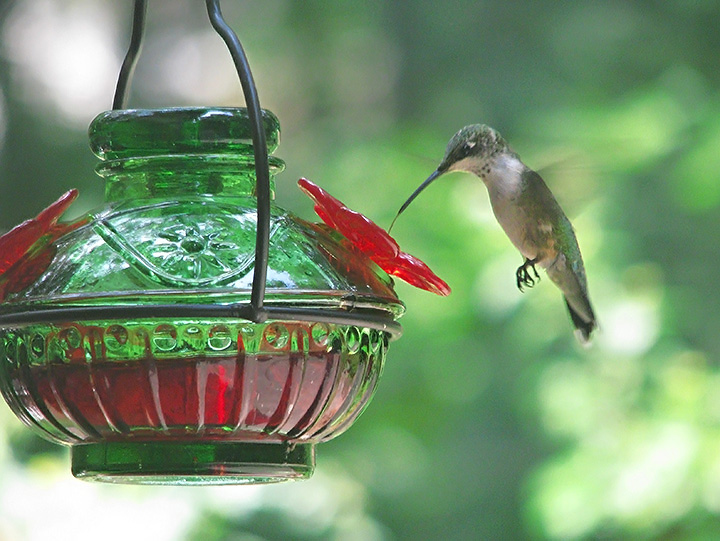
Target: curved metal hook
pixel 262 169
pixel 255 310
pixel 128 66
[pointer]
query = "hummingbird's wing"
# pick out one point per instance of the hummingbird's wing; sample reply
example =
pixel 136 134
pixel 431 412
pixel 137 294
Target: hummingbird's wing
pixel 566 270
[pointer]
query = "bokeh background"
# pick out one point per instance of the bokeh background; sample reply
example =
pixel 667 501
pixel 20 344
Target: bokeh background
pixel 490 421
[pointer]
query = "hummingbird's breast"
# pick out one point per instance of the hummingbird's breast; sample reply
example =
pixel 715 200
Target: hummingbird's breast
pixel 516 212
pixel 519 226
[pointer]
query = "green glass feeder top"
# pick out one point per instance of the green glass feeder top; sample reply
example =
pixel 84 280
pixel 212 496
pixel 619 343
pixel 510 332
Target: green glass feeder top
pixel 121 333
pixel 180 151
pixel 135 132
pixel 179 224
pixel 141 335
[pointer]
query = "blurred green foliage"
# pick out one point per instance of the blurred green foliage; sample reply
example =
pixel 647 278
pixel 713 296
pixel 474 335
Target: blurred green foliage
pixel 490 421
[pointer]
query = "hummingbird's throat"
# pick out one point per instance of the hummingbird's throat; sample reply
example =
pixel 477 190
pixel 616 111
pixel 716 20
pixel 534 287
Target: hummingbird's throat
pixel 472 164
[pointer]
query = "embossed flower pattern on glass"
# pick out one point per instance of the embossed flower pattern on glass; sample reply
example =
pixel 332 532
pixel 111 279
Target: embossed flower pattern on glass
pixel 194 250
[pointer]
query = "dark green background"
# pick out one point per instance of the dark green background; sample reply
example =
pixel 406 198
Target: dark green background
pixel 490 421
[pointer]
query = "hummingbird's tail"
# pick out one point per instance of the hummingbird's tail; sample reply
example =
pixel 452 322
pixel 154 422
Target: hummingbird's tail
pixel 583 328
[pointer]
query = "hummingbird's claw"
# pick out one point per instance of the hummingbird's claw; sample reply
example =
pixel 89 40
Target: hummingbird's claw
pixel 523 276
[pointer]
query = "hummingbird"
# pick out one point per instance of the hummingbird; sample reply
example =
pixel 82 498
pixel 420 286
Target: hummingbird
pixel 528 213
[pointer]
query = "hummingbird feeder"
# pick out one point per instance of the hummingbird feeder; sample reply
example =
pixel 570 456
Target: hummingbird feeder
pixel 190 331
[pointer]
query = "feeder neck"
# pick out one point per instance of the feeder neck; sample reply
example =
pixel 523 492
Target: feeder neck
pixel 168 153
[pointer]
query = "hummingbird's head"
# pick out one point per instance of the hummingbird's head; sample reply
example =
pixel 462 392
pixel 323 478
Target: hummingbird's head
pixel 471 148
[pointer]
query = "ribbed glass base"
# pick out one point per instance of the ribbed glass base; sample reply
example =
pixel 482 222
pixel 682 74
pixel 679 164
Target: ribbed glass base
pixel 192 463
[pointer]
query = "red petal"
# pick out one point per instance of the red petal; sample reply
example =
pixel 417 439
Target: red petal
pixel 27 271
pixel 325 204
pixel 50 215
pixel 373 240
pixel 15 243
pixel 358 229
pixel 365 234
pixel 325 217
pixel 415 273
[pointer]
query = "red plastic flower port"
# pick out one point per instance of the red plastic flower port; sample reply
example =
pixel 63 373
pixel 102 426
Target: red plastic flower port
pixel 373 240
pixel 22 258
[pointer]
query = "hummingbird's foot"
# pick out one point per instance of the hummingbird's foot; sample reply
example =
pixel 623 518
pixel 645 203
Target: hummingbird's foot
pixel 523 276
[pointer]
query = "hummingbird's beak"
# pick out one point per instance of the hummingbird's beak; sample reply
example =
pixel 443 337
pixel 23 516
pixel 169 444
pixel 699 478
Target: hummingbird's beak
pixel 410 199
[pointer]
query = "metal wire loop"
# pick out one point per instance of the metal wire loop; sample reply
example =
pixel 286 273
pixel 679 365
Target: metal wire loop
pixel 128 66
pixel 262 168
pixel 255 310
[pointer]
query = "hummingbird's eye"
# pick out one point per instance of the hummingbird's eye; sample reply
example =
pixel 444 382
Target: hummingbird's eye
pixel 467 147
